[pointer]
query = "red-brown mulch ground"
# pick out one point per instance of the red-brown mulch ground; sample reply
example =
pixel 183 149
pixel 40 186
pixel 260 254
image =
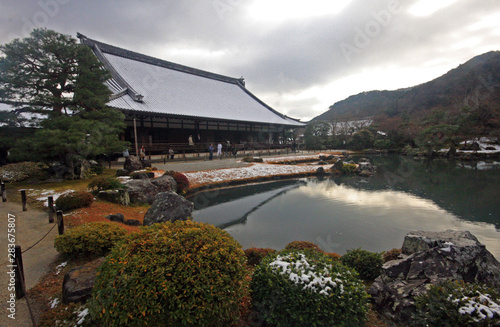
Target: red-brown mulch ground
pixel 98 210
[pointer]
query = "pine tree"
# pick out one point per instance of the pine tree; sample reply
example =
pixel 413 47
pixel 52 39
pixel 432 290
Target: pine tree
pixel 52 74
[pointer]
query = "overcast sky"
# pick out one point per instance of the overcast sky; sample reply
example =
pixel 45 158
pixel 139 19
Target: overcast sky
pixel 299 57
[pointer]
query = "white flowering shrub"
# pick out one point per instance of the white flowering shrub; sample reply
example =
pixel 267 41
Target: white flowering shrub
pixel 307 288
pixel 458 304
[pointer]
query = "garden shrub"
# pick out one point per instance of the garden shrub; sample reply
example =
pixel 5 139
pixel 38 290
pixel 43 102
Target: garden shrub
pixel 334 256
pixel 307 288
pixel 391 254
pixel 105 183
pixel 181 179
pixel 182 182
pixel 456 303
pixel 95 238
pixel 255 255
pixel 172 274
pixel 17 172
pixel 97 169
pixel 302 245
pixel 349 168
pixel 367 264
pixel 74 200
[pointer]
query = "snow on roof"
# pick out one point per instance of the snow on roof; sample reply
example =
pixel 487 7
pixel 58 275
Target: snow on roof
pixel 146 84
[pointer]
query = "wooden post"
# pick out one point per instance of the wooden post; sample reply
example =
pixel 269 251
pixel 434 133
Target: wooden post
pixel 4 192
pixel 23 199
pixel 60 222
pixel 51 209
pixel 20 284
pixel 135 140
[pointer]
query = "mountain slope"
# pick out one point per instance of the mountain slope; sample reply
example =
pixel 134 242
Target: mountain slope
pixel 473 83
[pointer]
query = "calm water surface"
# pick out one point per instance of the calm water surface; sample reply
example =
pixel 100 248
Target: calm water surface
pixel 372 213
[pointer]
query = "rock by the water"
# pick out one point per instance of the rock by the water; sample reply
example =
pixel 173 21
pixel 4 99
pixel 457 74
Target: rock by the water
pixel 132 163
pixel 142 175
pixel 252 159
pixel 428 259
pixel 146 163
pixel 132 222
pixel 122 172
pixel 115 196
pixel 325 157
pixel 337 166
pixel 116 217
pixel 165 183
pixel 79 281
pixel 141 191
pixel 168 206
pixel 320 171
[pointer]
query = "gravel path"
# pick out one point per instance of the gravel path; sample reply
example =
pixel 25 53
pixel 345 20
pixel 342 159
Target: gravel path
pixel 30 227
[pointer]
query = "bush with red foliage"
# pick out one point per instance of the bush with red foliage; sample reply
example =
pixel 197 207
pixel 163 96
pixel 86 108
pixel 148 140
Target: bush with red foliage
pixel 303 245
pixel 182 182
pixel 255 255
pixel 391 255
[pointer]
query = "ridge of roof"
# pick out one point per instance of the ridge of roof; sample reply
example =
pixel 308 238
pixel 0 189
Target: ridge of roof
pixel 117 51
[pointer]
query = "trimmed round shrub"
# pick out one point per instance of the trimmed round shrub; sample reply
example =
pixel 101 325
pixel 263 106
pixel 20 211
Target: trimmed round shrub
pixel 173 274
pixel 349 168
pixel 307 288
pixel 181 179
pixel 96 238
pixel 74 200
pixel 182 182
pixel 302 245
pixel 456 303
pixel 105 183
pixel 367 264
pixel 334 256
pixel 391 254
pixel 255 255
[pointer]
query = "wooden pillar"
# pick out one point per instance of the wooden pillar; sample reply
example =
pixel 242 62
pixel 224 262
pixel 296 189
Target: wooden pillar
pixel 24 200
pixel 20 285
pixel 135 136
pixel 51 209
pixel 60 222
pixel 4 192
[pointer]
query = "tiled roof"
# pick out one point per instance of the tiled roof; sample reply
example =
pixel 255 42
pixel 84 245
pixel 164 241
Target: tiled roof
pixel 146 84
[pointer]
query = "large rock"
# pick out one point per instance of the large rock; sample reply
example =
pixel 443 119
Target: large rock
pixel 132 163
pixel 168 206
pixel 141 191
pixel 115 196
pixel 79 281
pixel 428 259
pixel 165 183
pixel 337 166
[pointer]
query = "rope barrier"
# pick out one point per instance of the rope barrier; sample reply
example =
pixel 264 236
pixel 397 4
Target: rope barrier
pixel 39 239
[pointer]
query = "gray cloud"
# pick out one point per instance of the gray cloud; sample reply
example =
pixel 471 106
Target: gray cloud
pixel 278 60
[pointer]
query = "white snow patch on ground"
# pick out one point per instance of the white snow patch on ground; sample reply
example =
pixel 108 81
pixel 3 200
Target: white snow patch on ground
pixel 42 195
pixel 54 303
pixel 483 145
pixel 254 171
pixel 60 267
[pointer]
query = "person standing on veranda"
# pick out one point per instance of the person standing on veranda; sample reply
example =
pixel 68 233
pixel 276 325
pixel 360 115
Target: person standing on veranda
pixel 219 150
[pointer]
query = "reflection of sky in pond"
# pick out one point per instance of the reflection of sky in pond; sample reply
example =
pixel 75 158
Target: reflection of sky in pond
pixel 338 218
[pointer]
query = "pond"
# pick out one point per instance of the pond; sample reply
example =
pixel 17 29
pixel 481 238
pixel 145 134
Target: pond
pixel 341 213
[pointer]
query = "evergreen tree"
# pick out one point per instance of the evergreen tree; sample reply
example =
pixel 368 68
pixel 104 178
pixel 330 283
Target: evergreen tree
pixel 51 73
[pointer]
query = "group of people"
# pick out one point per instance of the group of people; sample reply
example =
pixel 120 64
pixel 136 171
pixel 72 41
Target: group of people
pixel 229 149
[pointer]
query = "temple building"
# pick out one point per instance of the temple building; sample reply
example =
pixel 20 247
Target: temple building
pixel 165 103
